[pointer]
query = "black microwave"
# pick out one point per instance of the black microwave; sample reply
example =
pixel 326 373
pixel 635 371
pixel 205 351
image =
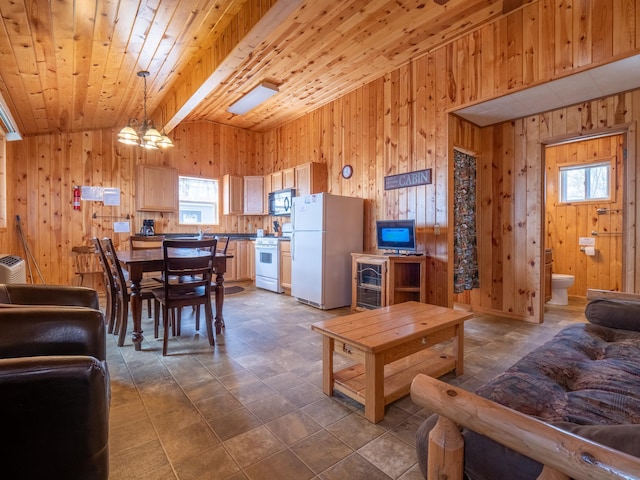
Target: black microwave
pixel 281 201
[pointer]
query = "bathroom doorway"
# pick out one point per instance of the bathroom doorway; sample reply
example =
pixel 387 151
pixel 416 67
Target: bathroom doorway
pixel 584 211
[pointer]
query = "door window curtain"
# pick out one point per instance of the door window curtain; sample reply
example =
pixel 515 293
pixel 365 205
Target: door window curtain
pixel 465 258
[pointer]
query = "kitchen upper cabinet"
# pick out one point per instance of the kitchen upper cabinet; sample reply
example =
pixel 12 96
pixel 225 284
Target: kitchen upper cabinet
pixel 254 203
pixel 232 195
pixel 276 181
pixel 156 189
pixel 267 188
pixel 311 178
pixel 289 178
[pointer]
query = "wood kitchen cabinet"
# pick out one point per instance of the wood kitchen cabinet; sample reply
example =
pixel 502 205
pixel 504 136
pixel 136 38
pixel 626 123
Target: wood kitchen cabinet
pixel 156 189
pixel 241 266
pixel 311 178
pixel 232 268
pixel 276 181
pixel 232 195
pixel 251 256
pixel 243 260
pixel 289 178
pixel 267 188
pixel 254 203
pixel 285 266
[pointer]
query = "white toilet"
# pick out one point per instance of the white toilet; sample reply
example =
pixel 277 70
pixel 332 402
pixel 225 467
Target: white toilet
pixel 559 285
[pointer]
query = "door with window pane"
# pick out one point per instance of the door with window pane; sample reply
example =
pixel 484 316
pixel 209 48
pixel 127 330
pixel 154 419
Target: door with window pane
pixel 584 205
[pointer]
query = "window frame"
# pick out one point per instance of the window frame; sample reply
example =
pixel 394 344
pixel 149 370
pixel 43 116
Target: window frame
pixel 216 204
pixel 608 162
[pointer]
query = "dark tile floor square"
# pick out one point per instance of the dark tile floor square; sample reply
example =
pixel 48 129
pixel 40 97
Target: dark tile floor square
pixel 252 407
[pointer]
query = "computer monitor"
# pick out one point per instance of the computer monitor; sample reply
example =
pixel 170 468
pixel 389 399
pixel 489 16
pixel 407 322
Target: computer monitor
pixel 396 235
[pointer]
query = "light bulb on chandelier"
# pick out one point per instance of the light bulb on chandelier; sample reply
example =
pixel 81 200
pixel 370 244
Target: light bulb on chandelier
pixel 144 134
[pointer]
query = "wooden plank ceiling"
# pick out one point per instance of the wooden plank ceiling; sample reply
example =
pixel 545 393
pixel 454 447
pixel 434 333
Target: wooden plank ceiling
pixel 71 65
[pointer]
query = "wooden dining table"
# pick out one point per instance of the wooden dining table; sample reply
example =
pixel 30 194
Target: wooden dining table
pixel 137 262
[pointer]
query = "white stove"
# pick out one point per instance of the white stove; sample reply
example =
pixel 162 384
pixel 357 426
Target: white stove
pixel 268 264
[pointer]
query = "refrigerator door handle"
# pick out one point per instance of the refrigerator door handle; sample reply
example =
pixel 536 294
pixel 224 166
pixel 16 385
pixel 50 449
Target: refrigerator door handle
pixel 293 232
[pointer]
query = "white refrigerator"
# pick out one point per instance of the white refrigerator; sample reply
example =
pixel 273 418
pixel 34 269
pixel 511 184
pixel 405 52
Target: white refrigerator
pixel 326 230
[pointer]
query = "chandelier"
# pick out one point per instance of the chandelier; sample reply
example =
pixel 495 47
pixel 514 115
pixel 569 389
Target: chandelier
pixel 144 133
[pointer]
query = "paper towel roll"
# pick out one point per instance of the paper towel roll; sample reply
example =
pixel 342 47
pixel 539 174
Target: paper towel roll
pixel 590 251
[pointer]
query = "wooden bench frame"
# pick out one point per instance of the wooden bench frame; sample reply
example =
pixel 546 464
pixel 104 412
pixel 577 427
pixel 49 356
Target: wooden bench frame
pixel 563 454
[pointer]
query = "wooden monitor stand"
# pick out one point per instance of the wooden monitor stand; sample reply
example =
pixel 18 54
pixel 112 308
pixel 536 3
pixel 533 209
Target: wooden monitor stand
pixel 381 280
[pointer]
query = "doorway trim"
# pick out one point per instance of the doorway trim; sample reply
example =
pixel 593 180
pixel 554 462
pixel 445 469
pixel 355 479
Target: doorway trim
pixel 631 195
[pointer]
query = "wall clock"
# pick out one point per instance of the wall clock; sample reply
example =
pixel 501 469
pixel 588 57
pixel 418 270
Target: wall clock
pixel 347 171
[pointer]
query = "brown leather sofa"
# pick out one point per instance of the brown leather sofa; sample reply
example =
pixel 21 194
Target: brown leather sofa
pixel 54 384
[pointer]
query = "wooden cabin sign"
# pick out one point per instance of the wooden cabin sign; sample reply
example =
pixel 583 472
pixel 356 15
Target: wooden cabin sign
pixel 409 179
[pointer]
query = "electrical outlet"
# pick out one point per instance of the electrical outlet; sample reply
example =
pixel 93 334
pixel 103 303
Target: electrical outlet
pixel 436 229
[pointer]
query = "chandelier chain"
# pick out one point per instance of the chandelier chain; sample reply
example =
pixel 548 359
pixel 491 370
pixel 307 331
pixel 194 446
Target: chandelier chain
pixel 145 98
pixel 146 135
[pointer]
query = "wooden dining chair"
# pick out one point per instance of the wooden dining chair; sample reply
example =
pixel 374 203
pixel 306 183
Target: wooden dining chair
pixel 223 244
pixel 187 274
pixel 86 261
pixel 123 290
pixel 145 242
pixel 109 286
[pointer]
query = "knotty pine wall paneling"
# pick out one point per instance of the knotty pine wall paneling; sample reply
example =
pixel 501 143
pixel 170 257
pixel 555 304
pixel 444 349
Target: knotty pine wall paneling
pixel 404 127
pixel 536 43
pixel 46 168
pixel 427 215
pixel 567 222
pixel 440 276
pixel 210 150
pixel 509 208
pixel 529 150
pixel 527 137
pixel 467 137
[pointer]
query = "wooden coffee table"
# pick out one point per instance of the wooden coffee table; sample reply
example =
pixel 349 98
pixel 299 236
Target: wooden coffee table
pixel 391 345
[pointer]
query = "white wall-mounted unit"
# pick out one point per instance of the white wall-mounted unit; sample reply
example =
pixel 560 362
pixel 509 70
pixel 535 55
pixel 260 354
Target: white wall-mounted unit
pixel 12 269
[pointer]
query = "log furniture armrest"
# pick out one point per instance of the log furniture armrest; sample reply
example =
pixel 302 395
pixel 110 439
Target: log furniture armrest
pixel 563 454
pixel 594 294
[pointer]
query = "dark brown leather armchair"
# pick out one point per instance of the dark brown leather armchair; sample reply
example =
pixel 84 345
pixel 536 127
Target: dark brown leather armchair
pixel 54 387
pixel 26 294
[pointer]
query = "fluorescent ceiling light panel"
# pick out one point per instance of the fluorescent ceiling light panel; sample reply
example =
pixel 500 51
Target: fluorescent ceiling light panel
pixel 254 98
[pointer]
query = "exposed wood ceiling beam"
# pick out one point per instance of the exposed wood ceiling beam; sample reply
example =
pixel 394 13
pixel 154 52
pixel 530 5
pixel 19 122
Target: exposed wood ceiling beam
pixel 510 5
pixel 73 69
pixel 219 73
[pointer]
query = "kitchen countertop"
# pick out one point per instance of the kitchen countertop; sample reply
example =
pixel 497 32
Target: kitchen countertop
pixel 232 236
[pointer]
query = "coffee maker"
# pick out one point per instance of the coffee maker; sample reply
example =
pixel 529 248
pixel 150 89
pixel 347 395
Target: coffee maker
pixel 148 227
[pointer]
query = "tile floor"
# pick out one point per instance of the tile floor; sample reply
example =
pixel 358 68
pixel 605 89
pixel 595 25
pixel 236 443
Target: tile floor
pixel 252 407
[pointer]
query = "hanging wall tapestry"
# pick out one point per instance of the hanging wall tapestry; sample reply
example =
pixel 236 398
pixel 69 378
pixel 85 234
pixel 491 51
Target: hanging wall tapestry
pixel 465 274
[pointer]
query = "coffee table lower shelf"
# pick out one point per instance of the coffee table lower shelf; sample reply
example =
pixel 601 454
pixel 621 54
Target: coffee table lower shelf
pixel 398 375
